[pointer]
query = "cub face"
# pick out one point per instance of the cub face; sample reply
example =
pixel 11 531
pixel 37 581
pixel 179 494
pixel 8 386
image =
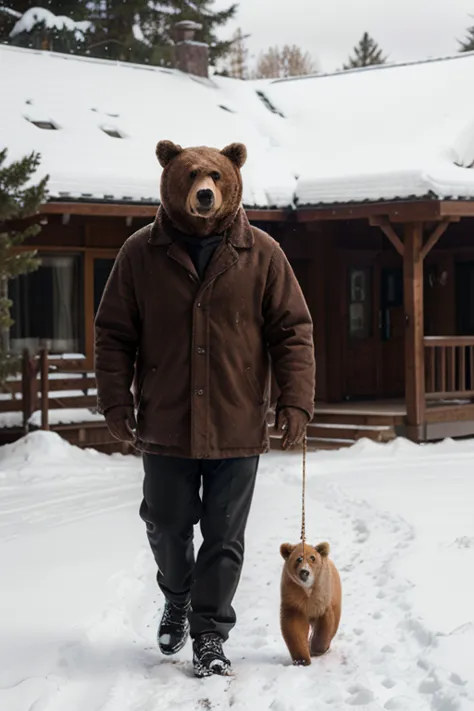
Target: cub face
pixel 303 566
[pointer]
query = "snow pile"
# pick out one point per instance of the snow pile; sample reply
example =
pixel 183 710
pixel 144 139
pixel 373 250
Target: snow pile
pixel 383 133
pixel 43 456
pixel 105 119
pixel 41 16
pixel 398 517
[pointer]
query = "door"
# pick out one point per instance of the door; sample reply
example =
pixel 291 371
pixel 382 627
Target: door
pixel 392 332
pixel 465 310
pixel 465 298
pixel 374 332
pixel 360 364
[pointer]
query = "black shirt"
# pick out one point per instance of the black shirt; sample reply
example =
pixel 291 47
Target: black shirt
pixel 200 249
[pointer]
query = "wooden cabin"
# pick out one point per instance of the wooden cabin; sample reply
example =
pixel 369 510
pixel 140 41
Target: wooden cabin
pixel 376 218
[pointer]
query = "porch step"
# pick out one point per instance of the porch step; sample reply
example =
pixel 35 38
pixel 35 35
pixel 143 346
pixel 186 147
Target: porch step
pixel 323 435
pixel 352 433
pixel 358 419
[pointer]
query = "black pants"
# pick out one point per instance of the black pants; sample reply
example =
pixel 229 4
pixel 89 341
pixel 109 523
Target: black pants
pixel 172 505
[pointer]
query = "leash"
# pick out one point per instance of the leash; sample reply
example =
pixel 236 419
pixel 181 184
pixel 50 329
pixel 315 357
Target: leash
pixel 303 493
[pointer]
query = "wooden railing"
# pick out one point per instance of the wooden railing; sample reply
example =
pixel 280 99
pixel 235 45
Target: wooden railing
pixel 449 367
pixel 47 383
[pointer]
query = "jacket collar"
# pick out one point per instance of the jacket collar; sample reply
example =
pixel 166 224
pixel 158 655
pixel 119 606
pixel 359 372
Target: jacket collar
pixel 239 234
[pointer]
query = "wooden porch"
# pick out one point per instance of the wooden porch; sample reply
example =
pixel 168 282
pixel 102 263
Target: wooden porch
pixel 59 394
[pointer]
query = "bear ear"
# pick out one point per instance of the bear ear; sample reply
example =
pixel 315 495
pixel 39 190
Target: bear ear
pixel 236 152
pixel 323 549
pixel 166 151
pixel 286 549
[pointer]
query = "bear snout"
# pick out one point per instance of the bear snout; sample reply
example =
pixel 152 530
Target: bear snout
pixel 304 575
pixel 205 198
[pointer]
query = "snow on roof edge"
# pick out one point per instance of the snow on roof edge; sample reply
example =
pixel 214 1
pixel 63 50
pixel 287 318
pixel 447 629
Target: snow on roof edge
pixel 373 68
pixel 106 62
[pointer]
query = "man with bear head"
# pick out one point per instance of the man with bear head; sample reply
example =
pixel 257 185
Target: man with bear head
pixel 198 308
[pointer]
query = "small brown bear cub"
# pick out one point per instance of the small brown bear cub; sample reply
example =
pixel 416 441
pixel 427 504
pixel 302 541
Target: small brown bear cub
pixel 310 600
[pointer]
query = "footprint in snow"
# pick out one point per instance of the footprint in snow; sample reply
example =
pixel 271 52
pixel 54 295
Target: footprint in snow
pixel 429 686
pixel 359 695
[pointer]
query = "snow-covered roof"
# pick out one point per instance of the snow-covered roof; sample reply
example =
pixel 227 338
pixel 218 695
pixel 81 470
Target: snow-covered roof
pixel 380 133
pixel 88 99
pixel 383 133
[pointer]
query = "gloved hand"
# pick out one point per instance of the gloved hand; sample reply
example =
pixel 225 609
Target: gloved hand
pixel 121 422
pixel 292 422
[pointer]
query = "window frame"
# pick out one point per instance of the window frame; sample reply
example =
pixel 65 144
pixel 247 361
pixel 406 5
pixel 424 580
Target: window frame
pixel 88 255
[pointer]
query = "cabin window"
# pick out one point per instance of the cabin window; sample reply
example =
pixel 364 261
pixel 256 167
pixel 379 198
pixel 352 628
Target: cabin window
pixel 360 309
pixel 47 306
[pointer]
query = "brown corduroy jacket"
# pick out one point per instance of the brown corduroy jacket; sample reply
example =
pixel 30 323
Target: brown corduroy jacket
pixel 197 353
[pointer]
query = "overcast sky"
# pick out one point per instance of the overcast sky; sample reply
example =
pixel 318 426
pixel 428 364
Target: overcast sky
pixel 328 29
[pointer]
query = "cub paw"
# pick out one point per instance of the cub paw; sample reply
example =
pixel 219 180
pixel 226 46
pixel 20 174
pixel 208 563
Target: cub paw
pixel 301 662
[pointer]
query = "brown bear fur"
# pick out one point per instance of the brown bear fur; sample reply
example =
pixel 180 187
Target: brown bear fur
pixel 310 608
pixel 188 170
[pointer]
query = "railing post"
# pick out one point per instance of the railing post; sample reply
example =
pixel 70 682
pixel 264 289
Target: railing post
pixel 28 387
pixel 44 366
pixel 414 335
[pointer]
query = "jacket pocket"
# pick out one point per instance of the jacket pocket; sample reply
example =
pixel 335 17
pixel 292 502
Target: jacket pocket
pixel 254 386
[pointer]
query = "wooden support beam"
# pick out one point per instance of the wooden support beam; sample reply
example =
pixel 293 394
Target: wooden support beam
pixel 435 236
pixel 388 230
pixel 414 341
pixel 144 210
pixel 399 211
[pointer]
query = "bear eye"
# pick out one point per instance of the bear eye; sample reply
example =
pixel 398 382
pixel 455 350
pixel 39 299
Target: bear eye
pixel 215 175
pixel 193 174
pixel 299 560
pixel 313 558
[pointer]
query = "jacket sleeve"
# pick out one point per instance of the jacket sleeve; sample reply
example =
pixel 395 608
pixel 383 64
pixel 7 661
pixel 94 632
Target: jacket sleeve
pixel 117 329
pixel 288 331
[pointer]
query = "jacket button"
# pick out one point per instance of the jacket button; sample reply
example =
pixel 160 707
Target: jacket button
pixel 201 351
pixel 199 304
pixel 200 392
pixel 153 370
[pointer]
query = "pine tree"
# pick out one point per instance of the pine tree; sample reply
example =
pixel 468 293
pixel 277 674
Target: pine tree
pixel 19 199
pixel 61 27
pixel 116 30
pixel 158 21
pixel 468 44
pixel 136 31
pixel 238 54
pixel 367 53
pixel 290 61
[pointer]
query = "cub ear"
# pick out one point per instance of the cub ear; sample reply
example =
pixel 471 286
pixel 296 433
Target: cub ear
pixel 323 549
pixel 166 151
pixel 236 152
pixel 286 549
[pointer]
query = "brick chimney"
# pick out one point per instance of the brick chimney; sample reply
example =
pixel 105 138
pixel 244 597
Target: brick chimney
pixel 190 56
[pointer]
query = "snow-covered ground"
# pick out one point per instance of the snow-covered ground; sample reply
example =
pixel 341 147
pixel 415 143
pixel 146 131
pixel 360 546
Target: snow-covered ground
pixel 79 606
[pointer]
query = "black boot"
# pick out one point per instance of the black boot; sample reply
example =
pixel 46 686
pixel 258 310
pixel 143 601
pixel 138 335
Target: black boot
pixel 173 631
pixel 208 656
